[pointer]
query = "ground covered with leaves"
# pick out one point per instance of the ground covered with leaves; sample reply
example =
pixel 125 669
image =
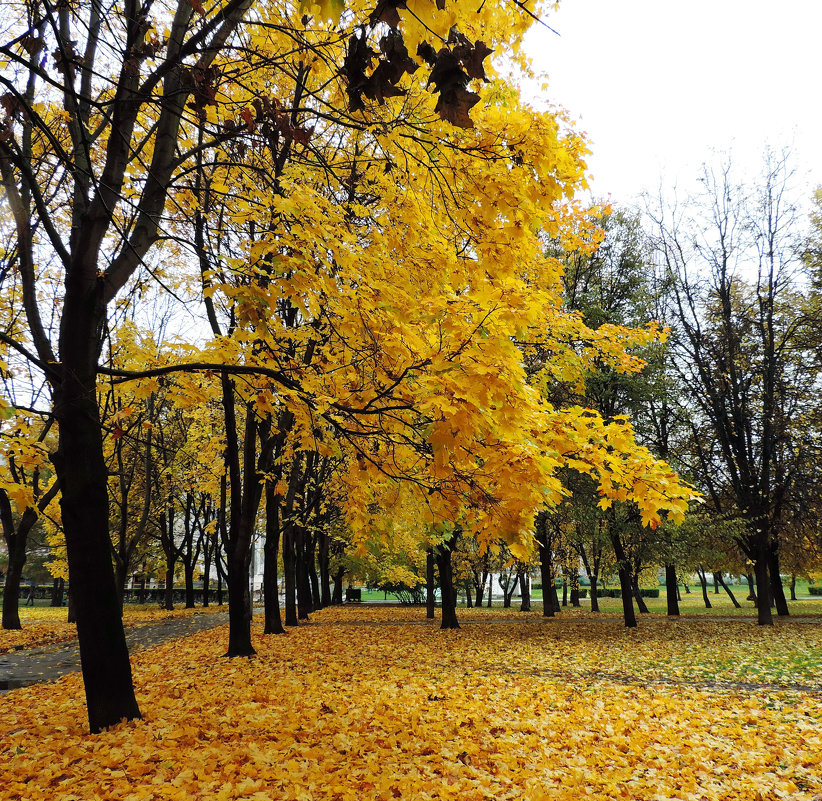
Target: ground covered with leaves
pixel 381 704
pixel 47 625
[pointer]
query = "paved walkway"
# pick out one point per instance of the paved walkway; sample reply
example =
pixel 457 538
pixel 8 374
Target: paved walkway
pixel 33 665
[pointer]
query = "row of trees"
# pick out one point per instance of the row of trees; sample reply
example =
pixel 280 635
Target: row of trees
pixel 317 274
pixel 346 208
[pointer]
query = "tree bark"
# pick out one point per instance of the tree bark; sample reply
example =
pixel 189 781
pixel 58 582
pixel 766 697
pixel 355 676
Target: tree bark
pixel 525 592
pixel 337 592
pixel 449 607
pixel 624 581
pixel 545 571
pixel 271 589
pixel 763 606
pixel 82 473
pixel 777 590
pixel 430 601
pixel 671 590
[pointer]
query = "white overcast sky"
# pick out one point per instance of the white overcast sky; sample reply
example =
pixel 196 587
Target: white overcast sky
pixel 659 85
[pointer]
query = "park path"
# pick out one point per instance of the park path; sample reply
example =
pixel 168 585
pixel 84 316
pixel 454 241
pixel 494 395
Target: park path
pixel 49 662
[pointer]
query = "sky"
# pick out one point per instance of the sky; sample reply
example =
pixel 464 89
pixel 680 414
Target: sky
pixel 660 87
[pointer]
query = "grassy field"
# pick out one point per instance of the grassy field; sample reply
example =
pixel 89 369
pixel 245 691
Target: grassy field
pixel 378 703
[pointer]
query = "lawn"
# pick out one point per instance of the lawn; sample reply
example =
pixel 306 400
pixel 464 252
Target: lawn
pixel 378 703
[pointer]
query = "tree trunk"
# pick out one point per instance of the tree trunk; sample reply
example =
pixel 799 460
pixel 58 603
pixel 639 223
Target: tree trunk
pixel 763 606
pixel 718 578
pixel 751 590
pixel 337 593
pixel 545 572
pixel 490 600
pixel 325 570
pixel 564 591
pixel 793 586
pixel 575 588
pixel 11 593
pixel 71 612
pixel 430 601
pixel 290 576
pixel 624 581
pixel 57 592
pixel 168 594
pixel 449 607
pixel 525 592
pixel 82 473
pixel 271 588
pixel 671 590
pixel 188 567
pixel 700 571
pixel 469 601
pixel 594 592
pixel 640 601
pixel 208 550
pixel 777 590
pixel 305 604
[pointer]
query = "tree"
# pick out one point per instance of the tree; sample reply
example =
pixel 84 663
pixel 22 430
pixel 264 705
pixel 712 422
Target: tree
pixel 734 256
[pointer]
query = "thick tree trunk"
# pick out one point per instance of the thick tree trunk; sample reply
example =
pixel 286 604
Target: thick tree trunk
pixel 763 606
pixel 719 580
pixel 793 586
pixel 545 572
pixel 82 473
pixel 671 590
pixel 239 607
pixel 594 578
pixel 71 612
pixel 11 593
pixel 246 492
pixel 564 591
pixel 449 607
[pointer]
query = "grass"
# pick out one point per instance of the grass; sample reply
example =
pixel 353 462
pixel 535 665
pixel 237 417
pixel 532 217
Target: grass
pixel 378 703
